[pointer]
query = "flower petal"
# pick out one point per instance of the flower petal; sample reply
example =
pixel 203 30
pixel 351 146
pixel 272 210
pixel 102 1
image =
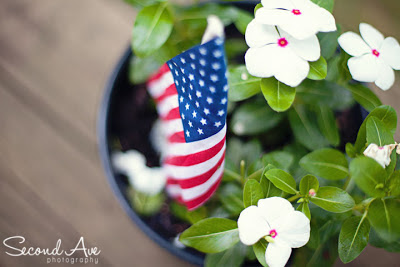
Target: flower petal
pixel 363 68
pixel 277 254
pixel 308 49
pixel 293 229
pixel 390 52
pixel 252 226
pixel 274 207
pixel 385 76
pixel 273 16
pixel 371 36
pixel 260 62
pixel 353 44
pixel 291 69
pixel 323 19
pixel 259 34
pixel 300 27
pixel 285 4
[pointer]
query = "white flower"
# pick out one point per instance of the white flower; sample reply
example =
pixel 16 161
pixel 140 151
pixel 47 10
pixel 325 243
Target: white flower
pixel 278 54
pixel 380 153
pixel 374 57
pixel 147 180
pixel 275 220
pixel 300 18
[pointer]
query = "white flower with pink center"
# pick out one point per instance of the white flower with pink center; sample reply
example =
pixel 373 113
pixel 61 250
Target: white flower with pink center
pixel 275 220
pixel 374 57
pixel 380 154
pixel 300 18
pixel 273 52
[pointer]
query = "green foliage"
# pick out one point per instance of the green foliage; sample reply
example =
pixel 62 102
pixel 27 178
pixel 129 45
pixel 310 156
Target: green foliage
pixel 278 95
pixel 238 151
pixel 328 42
pixel 231 196
pixel 145 204
pixel 254 118
pixel 377 133
pixel 282 180
pixel 141 68
pixel 280 159
pixel 393 184
pixel 252 192
pixel 268 188
pixel 333 199
pixel 242 20
pixel 142 3
pixel 241 84
pixel 304 208
pixel 259 249
pixel 383 214
pixel 327 124
pixel 318 69
pixel 152 28
pixel 353 238
pixel 308 182
pixel 368 175
pixel 327 163
pixel 184 214
pixel 211 235
pixel 233 256
pixel 327 4
pixel 364 96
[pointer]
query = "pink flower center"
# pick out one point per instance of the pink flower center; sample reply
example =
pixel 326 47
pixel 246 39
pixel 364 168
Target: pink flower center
pixel 273 233
pixel 375 52
pixel 296 12
pixel 380 147
pixel 282 42
pixel 312 192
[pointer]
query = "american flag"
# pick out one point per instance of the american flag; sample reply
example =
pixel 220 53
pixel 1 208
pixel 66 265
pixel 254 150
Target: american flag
pixel 191 94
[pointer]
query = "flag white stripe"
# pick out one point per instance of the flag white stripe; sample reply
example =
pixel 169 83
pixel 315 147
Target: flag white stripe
pixel 157 87
pixel 167 104
pixel 172 126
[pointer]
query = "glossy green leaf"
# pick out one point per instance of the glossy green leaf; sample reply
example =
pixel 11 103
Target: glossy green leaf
pixel 248 151
pixel 233 256
pixel 282 180
pixel 305 128
pixel 328 42
pixel 254 118
pixel 327 124
pixel 242 85
pixel 153 25
pixel 140 69
pixel 327 163
pixel 383 214
pixel 377 133
pixel 364 96
pixel 278 95
pixel 242 20
pixel 211 235
pixel 333 199
pixel 327 4
pixel 184 214
pixel 394 183
pixel 308 182
pixel 280 159
pixel 304 208
pixel 258 6
pixel 268 188
pixel 353 238
pixel 231 196
pixel 145 204
pixel 259 249
pixel 252 192
pixel 318 69
pixel 368 175
pixel 350 150
pixel 376 241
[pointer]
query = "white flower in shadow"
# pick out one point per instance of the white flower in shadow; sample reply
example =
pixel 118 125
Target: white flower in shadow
pixel 300 18
pixel 374 57
pixel 273 52
pixel 275 220
pixel 380 154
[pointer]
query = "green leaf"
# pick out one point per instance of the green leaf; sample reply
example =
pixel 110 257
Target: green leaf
pixel 327 125
pixel 282 180
pixel 304 208
pixel 376 241
pixel 327 4
pixel 328 42
pixel 350 150
pixel 242 20
pixel 237 151
pixel 305 128
pixel 259 249
pixel 268 188
pixel 231 197
pixel 152 28
pixel 258 6
pixel 278 95
pixel 308 182
pixel 141 3
pixel 383 214
pixel 252 193
pixel 333 199
pixel 231 257
pixel 353 238
pixel 280 159
pixel 145 204
pixel 141 69
pixel 377 133
pixel 242 85
pixel 384 113
pixel 364 96
pixel 318 69
pixel 394 183
pixel 184 214
pixel 368 175
pixel 328 163
pixel 251 118
pixel 211 235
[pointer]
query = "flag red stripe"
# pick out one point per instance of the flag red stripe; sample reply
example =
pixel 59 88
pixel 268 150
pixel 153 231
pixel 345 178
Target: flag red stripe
pixel 178 137
pixel 195 158
pixel 164 69
pixel 171 90
pixel 173 114
pixel 193 204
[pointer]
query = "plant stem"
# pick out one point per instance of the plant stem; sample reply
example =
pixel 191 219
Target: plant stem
pixel 293 198
pixel 346 183
pixel 236 176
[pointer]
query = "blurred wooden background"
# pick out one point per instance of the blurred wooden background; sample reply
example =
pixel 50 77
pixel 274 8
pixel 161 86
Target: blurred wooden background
pixel 55 57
